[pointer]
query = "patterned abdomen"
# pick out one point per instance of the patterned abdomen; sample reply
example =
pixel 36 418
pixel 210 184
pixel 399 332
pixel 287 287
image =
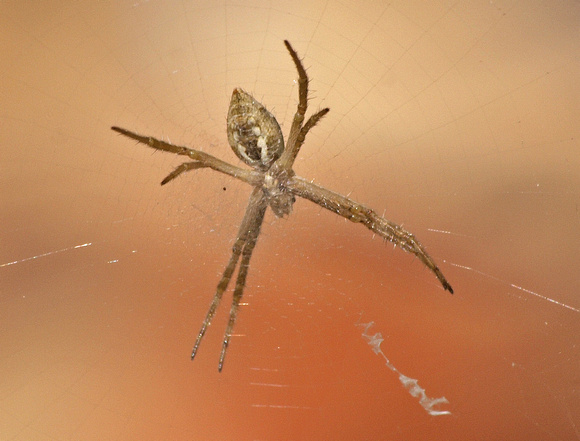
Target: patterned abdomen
pixel 253 132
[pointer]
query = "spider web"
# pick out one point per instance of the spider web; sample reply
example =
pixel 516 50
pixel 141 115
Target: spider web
pixel 457 119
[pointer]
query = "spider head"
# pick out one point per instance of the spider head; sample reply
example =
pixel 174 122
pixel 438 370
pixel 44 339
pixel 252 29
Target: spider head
pixel 253 132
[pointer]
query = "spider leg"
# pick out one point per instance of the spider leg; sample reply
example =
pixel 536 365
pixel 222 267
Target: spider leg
pixel 153 142
pixel 252 177
pixel 297 130
pixel 222 286
pixel 291 150
pixel 358 213
pixel 252 218
pixel 302 81
pixel 312 121
pixel 186 166
pixel 242 274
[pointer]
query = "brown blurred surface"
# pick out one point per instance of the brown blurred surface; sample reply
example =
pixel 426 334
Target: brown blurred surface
pixel 459 120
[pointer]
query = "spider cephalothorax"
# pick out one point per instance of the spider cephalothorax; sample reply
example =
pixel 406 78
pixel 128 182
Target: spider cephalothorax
pixel 256 138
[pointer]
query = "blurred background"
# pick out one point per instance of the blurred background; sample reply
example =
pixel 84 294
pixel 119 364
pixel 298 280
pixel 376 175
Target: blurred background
pixel 458 120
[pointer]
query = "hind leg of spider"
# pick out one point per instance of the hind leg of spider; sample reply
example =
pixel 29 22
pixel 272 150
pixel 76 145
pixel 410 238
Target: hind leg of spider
pixel 242 274
pixel 222 286
pixel 244 233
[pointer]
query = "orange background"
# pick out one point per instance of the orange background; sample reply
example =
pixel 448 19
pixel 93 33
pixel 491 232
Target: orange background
pixel 458 120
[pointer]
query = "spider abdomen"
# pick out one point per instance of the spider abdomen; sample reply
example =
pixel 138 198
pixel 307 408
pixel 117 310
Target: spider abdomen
pixel 253 132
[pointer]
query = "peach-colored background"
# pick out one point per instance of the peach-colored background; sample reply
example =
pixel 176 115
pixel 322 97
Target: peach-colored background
pixel 458 119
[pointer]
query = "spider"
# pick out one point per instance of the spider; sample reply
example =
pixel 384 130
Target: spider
pixel 255 137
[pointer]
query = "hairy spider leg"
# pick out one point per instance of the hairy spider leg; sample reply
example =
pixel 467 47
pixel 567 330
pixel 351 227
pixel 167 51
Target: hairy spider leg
pixel 222 286
pixel 358 213
pixel 186 166
pixel 290 152
pixel 257 217
pixel 204 160
pixel 252 221
pixel 297 130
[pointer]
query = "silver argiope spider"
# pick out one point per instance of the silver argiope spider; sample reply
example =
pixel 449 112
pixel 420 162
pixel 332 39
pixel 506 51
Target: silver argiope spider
pixel 256 138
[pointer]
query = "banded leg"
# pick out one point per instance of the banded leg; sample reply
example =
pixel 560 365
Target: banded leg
pixel 358 213
pixel 252 214
pixel 242 274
